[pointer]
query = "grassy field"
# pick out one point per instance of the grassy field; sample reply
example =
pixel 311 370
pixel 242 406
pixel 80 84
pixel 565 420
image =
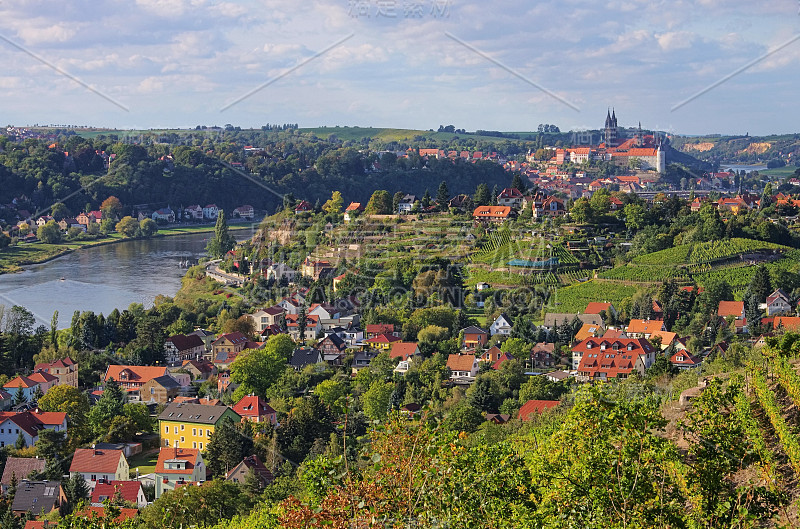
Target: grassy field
pixel 145 462
pixel 357 133
pixel 780 172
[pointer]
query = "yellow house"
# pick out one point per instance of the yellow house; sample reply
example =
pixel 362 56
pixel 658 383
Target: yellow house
pixel 382 342
pixel 187 425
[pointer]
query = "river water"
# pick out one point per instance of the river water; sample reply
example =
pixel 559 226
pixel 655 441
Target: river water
pixel 103 278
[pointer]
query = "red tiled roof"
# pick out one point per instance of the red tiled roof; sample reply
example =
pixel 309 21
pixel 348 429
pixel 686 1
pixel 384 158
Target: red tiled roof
pixel 252 406
pixel 20 381
pixel 96 461
pixel 403 350
pixel 135 373
pixel 610 357
pixel 645 326
pixel 380 328
pixel 190 455
pixel 125 513
pixel 43 377
pixel 183 343
pixel 730 308
pixel 233 337
pixel 535 406
pixel 595 307
pixel 128 491
pixel 460 362
pixel 383 338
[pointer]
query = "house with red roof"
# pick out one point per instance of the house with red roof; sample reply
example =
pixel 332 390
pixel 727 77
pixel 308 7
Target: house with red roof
pixel 95 465
pixel 177 467
pixel 505 357
pixel 510 196
pixel 551 207
pixel 93 513
pixel 375 329
pixel 535 407
pixel 382 341
pixel 27 385
pixel 233 342
pixel 731 308
pixel 130 491
pixel 683 359
pixel 492 214
pixel 601 359
pixel 638 328
pixel 132 378
pixel 250 464
pixel 405 351
pixel 596 307
pixel 65 370
pixel 28 424
pixel 313 327
pixel 303 207
pixel 352 211
pixel 788 323
pixel 492 355
pixel 255 409
pixel 45 380
pixel 462 367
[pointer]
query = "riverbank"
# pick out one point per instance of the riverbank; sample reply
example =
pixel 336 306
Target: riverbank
pixel 14 258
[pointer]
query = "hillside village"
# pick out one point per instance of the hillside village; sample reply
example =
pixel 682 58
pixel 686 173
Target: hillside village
pixel 495 315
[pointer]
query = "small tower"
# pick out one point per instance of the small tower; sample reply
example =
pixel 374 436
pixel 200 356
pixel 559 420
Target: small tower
pixel 639 136
pixel 611 129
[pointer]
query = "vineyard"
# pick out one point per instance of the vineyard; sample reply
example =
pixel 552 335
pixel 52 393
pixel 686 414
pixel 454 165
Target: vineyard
pixel 707 252
pixel 478 275
pixel 647 274
pixel 574 298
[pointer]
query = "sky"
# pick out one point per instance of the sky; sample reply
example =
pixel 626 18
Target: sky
pixel 685 67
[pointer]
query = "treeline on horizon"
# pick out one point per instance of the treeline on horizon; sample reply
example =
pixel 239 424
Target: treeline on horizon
pixel 199 171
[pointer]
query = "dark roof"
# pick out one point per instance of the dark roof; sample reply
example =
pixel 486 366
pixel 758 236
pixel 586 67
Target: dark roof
pixel 21 467
pixel 183 343
pixel 303 357
pixel 336 341
pixel 193 413
pixel 474 330
pixel 167 382
pixel 36 496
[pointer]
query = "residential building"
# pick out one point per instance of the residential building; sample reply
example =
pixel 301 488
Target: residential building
pixel 164 215
pixel 38 498
pixel 597 307
pixel 544 355
pixel 302 357
pixel 19 468
pixel 501 325
pixel 406 204
pixel 376 329
pixel 28 424
pixel 511 197
pixel 199 369
pixel 474 337
pixel 535 407
pixel 316 269
pixel 684 360
pixel 731 308
pixel 27 385
pixel 132 378
pixel 492 214
pixel 588 330
pixel 462 367
pixel 361 359
pixel 130 491
pixel 256 409
pixel 211 212
pixel 178 466
pixel 639 328
pixel 778 303
pixel 600 359
pixel 303 207
pixel 234 342
pixel 95 465
pixel 382 342
pixel 65 370
pixel 352 211
pixel 280 272
pixel 244 212
pixel 194 212
pixel 179 348
pixel 552 319
pixel 159 390
pixel 313 327
pixel 405 351
pixel 551 207
pixel 249 464
pixel 185 425
pixel 45 380
pixel 492 355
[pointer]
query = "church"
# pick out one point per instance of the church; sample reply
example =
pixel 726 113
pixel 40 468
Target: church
pixel 646 149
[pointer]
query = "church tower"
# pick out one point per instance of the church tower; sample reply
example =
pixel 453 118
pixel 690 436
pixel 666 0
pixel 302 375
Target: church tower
pixel 611 129
pixel 639 136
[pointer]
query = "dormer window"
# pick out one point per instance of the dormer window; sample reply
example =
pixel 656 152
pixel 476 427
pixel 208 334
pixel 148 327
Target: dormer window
pixel 630 347
pixel 589 345
pixel 602 347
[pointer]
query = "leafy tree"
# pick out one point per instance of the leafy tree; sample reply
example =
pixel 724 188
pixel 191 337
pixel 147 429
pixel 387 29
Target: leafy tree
pixel 215 502
pixel 109 406
pixel 334 205
pixel 376 400
pixel 307 421
pixel 50 233
pixel 581 211
pixel 222 242
pixel 255 370
pixel 635 216
pixel 111 207
pixel 330 391
pixel 463 418
pixel 229 444
pixel 517 348
pixel 379 203
pixel 600 202
pixel 148 227
pixel 128 226
pixel 139 415
pixel 59 211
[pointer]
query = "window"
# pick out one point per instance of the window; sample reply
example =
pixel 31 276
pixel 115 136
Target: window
pixel 166 429
pixel 194 445
pixel 182 427
pixel 201 446
pixel 208 433
pixel 182 439
pixel 176 429
pixel 94 477
pixel 194 431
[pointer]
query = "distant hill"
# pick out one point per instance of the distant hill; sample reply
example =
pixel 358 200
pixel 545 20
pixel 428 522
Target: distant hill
pixel 742 149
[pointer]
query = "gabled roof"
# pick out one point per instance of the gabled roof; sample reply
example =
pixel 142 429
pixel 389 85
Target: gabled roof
pixel 505 357
pixel 192 413
pixel 380 328
pixel 235 338
pixel 166 382
pixel 253 463
pixel 20 381
pixel 535 406
pixel 687 359
pixel 302 357
pixel 335 340
pixel 43 377
pixel 135 373
pixel 588 330
pixel 167 453
pixel 595 307
pixel 492 211
pixel 61 363
pixel 128 491
pixel 88 460
pixel 184 343
pixel 36 497
pixel 460 362
pixel 645 326
pixel 21 467
pixel 786 322
pixel 383 338
pixel 730 308
pixel 403 350
pixel 474 330
pixel 510 192
pixel 252 406
pixel 779 293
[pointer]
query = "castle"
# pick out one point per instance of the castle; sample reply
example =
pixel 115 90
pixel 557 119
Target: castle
pixel 646 149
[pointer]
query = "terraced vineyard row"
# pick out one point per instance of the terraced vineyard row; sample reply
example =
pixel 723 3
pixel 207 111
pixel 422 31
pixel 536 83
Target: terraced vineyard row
pixel 706 252
pixel 744 413
pixel 477 275
pixel 768 402
pixel 644 273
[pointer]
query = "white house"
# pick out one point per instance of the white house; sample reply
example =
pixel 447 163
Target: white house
pixel 29 424
pixel 406 203
pixel 244 212
pixel 194 212
pixel 462 366
pixel 95 465
pixel 165 214
pixel 502 326
pixel 278 271
pixel 211 212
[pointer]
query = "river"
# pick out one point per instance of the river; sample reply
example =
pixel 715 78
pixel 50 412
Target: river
pixel 103 278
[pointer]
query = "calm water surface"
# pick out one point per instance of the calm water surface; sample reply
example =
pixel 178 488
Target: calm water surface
pixel 103 278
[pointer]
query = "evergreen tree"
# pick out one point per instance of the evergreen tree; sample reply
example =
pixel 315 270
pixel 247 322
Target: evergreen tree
pixel 482 195
pixel 301 323
pixel 222 242
pixel 426 199
pixel 53 329
pixel 20 443
pixel 229 444
pixel 76 490
pixel 19 397
pixel 761 284
pixel 495 192
pixel 37 394
pixel 518 184
pixel 443 196
pixel 481 395
pixel 109 406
